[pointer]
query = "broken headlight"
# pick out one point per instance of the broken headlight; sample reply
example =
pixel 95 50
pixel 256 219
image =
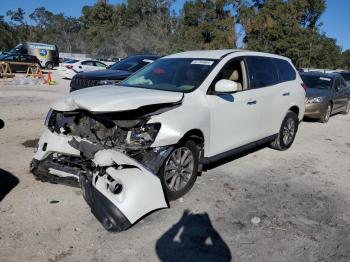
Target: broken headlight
pixel 143 135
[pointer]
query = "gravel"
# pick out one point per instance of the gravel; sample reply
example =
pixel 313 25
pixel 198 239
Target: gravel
pixel 300 196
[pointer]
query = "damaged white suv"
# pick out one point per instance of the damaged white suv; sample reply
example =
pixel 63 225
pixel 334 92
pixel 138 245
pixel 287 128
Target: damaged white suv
pixel 145 140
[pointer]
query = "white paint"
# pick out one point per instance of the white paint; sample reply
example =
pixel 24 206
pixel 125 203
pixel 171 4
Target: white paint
pixel 114 98
pixel 142 191
pixel 80 66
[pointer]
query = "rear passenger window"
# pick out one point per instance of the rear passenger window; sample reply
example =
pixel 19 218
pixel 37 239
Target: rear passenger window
pixel 286 71
pixel 262 71
pixel 88 63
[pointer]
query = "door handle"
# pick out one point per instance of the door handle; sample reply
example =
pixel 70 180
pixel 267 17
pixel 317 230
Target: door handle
pixel 286 94
pixel 252 102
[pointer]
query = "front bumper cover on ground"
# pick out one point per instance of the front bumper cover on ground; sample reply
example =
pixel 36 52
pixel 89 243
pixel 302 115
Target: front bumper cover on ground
pixel 119 189
pixel 123 193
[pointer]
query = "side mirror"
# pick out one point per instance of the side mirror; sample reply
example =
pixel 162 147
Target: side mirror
pixel 226 86
pixel 108 67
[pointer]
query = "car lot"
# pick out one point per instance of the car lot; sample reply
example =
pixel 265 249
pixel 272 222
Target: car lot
pixel 302 197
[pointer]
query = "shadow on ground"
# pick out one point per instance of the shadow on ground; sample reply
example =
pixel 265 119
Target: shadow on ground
pixel 7 183
pixel 193 238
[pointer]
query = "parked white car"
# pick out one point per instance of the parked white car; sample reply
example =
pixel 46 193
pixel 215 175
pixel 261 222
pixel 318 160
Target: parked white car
pixel 70 68
pixel 136 144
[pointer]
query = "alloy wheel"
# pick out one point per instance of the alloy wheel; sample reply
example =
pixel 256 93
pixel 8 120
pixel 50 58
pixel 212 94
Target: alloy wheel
pixel 347 107
pixel 328 113
pixel 179 168
pixel 288 131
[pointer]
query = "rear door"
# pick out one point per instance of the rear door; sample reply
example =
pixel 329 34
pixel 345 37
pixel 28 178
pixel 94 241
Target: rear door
pixel 272 95
pixel 339 95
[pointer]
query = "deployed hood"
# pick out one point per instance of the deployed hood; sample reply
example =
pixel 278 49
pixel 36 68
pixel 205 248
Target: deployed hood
pixel 114 98
pixel 105 74
pixel 316 92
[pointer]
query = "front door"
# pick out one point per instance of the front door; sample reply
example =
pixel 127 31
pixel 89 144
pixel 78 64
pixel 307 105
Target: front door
pixel 235 117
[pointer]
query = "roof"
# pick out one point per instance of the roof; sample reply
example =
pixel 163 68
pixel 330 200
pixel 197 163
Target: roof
pixel 207 54
pixel 317 73
pixel 217 54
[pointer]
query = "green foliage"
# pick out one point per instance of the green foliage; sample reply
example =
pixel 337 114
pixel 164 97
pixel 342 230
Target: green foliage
pixel 206 24
pixel 286 27
pixel 290 28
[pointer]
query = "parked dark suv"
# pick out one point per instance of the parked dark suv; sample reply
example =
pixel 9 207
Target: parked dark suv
pixel 117 72
pixel 19 58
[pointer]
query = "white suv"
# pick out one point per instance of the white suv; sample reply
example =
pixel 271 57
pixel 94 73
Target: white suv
pixel 157 130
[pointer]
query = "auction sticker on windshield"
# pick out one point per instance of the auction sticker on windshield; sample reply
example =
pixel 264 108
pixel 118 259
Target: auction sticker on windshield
pixel 202 62
pixel 325 79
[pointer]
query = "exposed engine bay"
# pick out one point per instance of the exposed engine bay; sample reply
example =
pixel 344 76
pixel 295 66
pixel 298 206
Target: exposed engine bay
pixel 126 132
pixel 110 158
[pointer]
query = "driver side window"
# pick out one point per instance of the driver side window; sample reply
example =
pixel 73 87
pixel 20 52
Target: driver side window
pixel 337 84
pixel 235 71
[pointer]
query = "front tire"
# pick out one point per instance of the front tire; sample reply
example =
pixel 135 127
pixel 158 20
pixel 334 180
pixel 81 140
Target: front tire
pixel 287 132
pixel 179 170
pixel 347 108
pixel 49 66
pixel 326 114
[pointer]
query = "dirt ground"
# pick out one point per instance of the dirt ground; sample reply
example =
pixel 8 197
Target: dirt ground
pixel 301 196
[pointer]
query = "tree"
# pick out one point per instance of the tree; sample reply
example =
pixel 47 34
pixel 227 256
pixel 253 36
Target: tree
pixel 7 35
pixel 345 61
pixel 206 24
pixel 289 28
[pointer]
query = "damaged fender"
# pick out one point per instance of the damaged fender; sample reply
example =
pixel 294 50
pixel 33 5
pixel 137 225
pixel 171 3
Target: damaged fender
pixel 123 193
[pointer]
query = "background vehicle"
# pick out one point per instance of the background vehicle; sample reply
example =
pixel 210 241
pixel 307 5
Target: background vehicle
pixel 346 76
pixel 146 139
pixel 326 94
pixel 109 62
pixel 47 55
pixel 70 68
pixel 19 58
pixel 117 72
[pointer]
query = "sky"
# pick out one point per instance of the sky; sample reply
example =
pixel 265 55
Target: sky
pixel 335 20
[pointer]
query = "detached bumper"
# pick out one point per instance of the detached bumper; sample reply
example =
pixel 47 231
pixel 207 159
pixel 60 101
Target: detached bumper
pixel 122 194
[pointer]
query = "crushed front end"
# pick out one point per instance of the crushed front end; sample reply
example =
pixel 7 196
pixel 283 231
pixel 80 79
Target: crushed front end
pixel 110 156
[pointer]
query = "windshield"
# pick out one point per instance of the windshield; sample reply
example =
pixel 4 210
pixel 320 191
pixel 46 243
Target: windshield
pixel 172 74
pixel 15 49
pixel 131 64
pixel 71 61
pixel 318 82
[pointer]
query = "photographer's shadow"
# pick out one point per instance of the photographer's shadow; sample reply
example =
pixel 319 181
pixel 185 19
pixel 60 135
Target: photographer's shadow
pixel 7 183
pixel 193 238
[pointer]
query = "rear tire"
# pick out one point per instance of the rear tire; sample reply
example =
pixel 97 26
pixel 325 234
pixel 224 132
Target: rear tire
pixel 347 108
pixel 49 65
pixel 179 170
pixel 326 114
pixel 287 132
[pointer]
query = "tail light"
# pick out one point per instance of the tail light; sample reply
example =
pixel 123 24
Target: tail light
pixel 304 86
pixel 69 66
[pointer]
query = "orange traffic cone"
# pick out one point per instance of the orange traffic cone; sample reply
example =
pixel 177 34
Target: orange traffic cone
pixel 49 79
